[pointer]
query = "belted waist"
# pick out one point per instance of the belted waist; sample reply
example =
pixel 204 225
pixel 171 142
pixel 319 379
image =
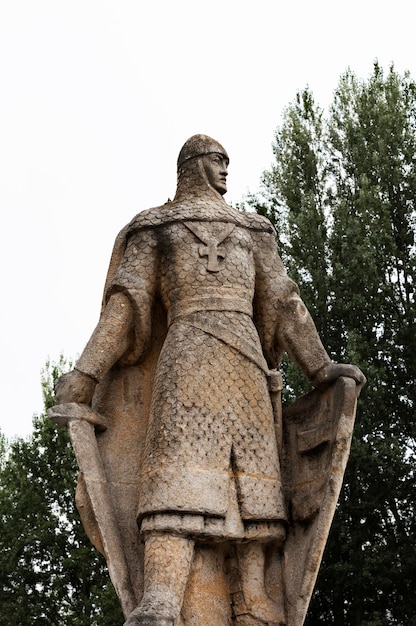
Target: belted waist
pixel 209 302
pixel 215 327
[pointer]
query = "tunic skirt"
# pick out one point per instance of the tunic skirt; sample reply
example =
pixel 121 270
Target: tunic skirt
pixel 211 423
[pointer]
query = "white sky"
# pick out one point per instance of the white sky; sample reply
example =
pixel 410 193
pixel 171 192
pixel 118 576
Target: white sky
pixel 96 99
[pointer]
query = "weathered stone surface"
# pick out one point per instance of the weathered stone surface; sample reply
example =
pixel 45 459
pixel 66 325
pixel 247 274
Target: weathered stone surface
pixel 208 506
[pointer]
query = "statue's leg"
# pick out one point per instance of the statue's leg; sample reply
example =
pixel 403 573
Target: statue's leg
pixel 252 606
pixel 167 564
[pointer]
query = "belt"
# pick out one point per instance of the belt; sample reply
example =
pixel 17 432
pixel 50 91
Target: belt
pixel 209 302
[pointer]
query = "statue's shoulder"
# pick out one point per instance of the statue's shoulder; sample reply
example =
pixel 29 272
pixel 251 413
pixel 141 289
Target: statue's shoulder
pixel 257 222
pixel 149 218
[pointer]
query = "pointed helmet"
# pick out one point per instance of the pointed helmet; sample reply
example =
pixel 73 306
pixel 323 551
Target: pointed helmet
pixel 198 145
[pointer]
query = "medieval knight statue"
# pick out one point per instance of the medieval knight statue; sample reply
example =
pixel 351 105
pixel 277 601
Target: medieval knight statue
pixel 210 507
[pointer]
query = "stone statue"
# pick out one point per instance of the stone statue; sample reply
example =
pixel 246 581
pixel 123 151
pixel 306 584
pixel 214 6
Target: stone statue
pixel 190 484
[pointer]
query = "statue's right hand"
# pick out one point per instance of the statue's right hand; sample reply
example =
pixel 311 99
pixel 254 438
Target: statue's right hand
pixel 75 386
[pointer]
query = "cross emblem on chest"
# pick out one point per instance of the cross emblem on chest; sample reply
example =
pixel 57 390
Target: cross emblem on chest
pixel 214 253
pixel 210 247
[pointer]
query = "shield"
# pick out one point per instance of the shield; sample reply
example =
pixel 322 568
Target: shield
pixel 317 431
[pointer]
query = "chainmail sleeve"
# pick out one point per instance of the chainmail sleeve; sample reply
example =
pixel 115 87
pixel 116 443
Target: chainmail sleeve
pixel 282 319
pixel 137 277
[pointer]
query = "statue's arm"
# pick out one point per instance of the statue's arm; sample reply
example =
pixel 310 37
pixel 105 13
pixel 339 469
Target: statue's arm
pixel 299 337
pixel 107 344
pixel 127 315
pixel 285 322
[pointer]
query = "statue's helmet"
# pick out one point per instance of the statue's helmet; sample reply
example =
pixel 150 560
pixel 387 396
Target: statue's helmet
pixel 198 145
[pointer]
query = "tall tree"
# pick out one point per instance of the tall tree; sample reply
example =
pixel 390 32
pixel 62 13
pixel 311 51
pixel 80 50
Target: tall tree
pixel 49 573
pixel 372 152
pixel 342 193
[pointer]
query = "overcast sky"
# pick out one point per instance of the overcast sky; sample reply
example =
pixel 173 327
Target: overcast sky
pixel 96 100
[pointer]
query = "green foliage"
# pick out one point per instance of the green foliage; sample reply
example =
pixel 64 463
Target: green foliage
pixel 49 573
pixel 342 194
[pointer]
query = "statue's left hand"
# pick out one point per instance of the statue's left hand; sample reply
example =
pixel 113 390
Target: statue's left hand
pixel 330 372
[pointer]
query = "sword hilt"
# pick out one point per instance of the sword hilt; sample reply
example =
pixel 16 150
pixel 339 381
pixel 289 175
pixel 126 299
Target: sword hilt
pixel 63 414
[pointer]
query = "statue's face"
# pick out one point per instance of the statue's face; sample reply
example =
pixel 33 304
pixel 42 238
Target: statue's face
pixel 215 166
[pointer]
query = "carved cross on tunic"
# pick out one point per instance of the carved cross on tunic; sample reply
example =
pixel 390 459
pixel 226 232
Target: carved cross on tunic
pixel 213 252
pixel 211 243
